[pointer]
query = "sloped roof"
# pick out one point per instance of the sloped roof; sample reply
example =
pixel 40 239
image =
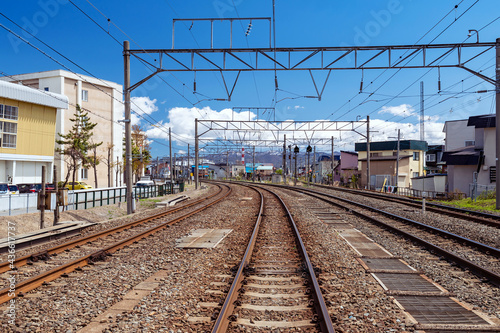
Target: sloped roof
pixel 484 121
pixel 392 145
pixel 462 156
pixel 22 93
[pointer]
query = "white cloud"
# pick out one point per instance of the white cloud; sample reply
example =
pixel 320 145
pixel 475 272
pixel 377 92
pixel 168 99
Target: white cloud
pixel 403 110
pixel 182 122
pixel 141 106
pixel 296 107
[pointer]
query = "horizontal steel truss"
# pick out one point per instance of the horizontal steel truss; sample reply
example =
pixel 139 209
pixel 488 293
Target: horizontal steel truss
pixel 314 58
pixel 279 126
pixel 235 144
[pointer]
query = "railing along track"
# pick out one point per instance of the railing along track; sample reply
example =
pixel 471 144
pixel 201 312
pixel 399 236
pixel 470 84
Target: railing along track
pixel 21 261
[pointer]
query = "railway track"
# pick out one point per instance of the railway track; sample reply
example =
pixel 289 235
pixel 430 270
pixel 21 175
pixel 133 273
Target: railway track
pixel 275 286
pixel 479 258
pixel 41 268
pixel 469 215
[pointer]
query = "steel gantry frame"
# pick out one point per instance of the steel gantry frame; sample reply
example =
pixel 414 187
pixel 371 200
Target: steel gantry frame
pixel 241 128
pixel 319 58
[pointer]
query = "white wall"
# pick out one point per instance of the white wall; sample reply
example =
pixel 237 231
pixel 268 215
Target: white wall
pixel 456 133
pixel 459 177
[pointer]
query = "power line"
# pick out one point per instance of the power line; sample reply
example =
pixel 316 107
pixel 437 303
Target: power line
pixel 409 86
pixel 83 79
pixel 432 28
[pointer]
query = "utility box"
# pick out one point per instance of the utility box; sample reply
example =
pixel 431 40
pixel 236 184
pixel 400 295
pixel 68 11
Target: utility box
pixel 63 197
pixel 48 203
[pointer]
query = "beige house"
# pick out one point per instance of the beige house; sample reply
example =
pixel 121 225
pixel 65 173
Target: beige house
pixel 383 161
pixel 102 99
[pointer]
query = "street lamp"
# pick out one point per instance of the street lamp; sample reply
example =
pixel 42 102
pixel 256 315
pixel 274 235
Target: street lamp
pixel 295 151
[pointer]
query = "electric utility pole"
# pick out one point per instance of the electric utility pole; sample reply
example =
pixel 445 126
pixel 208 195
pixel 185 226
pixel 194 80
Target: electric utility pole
pixel 128 137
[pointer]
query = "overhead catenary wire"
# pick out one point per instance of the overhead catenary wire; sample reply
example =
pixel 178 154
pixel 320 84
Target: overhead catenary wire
pixel 82 78
pixel 385 82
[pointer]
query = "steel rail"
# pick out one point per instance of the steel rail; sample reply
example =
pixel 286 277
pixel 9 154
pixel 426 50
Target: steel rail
pixel 482 247
pixel 222 322
pixel 21 261
pixel 34 282
pixel 464 263
pixel 479 217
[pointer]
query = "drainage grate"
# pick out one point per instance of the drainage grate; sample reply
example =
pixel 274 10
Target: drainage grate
pixel 438 310
pixel 406 282
pixel 386 264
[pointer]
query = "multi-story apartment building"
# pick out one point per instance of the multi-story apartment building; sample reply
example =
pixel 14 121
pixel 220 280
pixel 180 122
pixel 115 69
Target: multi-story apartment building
pixel 27 132
pixel 383 161
pixel 102 99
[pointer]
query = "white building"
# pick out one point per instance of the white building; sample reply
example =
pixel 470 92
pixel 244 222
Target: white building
pixel 474 154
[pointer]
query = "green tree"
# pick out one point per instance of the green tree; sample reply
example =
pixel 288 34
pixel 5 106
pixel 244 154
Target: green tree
pixel 141 155
pixel 76 144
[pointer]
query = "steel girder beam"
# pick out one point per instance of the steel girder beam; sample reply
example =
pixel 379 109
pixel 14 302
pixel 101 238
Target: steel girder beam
pixel 314 58
pixel 281 126
pixel 234 144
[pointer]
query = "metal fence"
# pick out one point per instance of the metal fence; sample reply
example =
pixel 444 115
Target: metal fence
pixel 82 199
pixel 476 190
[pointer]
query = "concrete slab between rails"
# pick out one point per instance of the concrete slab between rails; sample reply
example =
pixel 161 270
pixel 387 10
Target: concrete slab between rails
pixel 275 324
pixel 274 308
pixel 203 238
pixel 269 278
pixel 196 320
pixel 260 295
pixel 173 202
pixel 426 303
pixel 63 229
pixel 130 300
pixel 275 286
pixel 101 322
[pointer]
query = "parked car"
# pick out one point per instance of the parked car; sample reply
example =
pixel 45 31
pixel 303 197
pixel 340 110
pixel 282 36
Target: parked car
pixel 13 189
pixel 4 188
pixel 78 186
pixel 144 183
pixel 29 188
pixel 49 186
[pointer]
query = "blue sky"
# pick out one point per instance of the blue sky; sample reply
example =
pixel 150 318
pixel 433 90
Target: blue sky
pixel 148 24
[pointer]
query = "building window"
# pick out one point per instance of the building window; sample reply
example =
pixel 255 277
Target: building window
pixel 430 158
pixel 85 95
pixel 416 174
pixel 493 174
pixel 46 88
pixel 470 143
pixel 8 112
pixel 84 173
pixel 416 156
pixel 374 154
pixel 8 133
